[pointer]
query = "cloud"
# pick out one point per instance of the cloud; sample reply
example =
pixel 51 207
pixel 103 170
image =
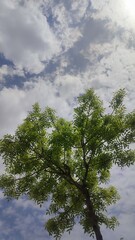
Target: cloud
pixel 15 103
pixel 69 87
pixel 26 38
pixel 11 109
pixel 80 9
pixel 9 71
pixel 67 33
pixel 116 12
pixel 13 226
pixel 30 38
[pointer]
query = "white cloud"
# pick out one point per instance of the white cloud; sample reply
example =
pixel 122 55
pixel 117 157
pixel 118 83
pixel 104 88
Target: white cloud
pixel 11 109
pixel 112 67
pixel 46 94
pixel 14 102
pixel 69 86
pixel 6 70
pixel 116 11
pixel 13 225
pixel 79 9
pixel 67 33
pixel 25 36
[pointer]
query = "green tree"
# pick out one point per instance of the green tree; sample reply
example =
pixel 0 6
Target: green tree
pixel 69 162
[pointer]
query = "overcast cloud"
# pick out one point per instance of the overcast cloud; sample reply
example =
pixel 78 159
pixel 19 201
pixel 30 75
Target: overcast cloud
pixel 50 52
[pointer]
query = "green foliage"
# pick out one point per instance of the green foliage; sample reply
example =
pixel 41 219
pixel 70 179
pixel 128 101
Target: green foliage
pixel 69 162
pixel 117 100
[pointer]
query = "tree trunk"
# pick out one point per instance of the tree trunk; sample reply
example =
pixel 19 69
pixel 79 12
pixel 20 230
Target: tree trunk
pixel 92 216
pixel 97 231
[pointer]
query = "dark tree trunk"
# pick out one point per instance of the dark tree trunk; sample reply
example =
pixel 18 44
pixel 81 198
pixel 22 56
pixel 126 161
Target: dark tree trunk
pixel 92 215
pixel 97 231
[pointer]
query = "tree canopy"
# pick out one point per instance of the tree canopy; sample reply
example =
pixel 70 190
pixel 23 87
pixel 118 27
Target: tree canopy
pixel 69 162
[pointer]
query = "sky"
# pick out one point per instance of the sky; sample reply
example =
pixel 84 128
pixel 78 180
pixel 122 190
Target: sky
pixel 50 52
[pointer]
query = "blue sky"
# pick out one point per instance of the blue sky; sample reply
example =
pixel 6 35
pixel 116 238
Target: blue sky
pixel 50 52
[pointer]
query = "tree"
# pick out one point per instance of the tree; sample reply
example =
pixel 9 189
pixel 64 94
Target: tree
pixel 69 162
